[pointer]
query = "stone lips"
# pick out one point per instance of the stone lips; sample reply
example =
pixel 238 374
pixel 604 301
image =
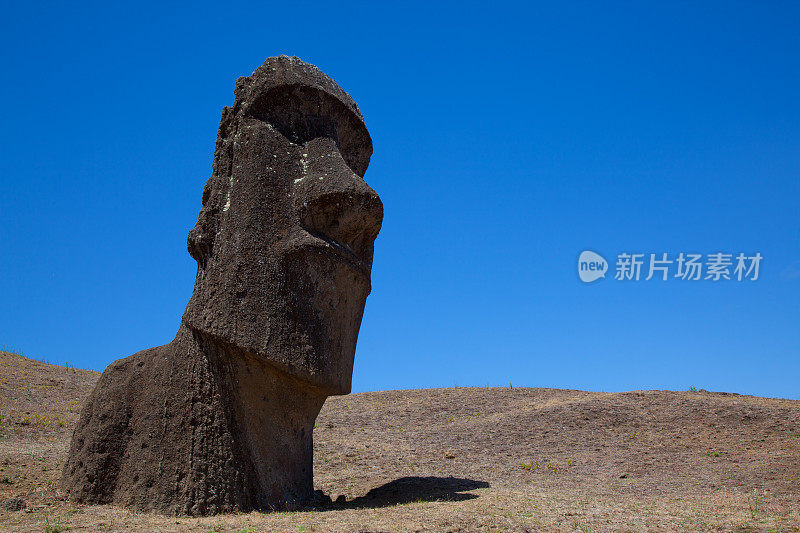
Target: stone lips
pixel 221 418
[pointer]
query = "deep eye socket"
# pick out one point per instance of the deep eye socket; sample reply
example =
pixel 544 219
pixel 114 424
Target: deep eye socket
pixel 301 113
pixel 300 128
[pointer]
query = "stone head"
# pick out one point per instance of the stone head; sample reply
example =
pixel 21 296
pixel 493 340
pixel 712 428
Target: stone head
pixel 284 238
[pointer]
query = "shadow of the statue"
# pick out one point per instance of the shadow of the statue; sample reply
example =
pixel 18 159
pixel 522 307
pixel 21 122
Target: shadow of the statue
pixel 412 489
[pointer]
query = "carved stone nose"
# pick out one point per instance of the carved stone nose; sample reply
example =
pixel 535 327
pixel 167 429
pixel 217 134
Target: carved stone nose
pixel 335 203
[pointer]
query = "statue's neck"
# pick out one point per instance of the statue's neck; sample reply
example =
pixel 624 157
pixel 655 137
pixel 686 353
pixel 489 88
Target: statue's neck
pixel 273 414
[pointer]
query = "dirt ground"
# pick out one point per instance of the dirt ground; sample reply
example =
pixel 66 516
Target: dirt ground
pixel 460 459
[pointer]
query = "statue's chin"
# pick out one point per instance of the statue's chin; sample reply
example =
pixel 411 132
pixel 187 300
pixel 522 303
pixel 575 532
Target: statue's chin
pixel 308 326
pixel 322 373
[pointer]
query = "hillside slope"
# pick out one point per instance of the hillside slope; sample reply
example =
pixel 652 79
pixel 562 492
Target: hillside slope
pixel 461 459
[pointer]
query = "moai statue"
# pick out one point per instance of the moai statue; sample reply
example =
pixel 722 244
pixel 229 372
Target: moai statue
pixel 221 418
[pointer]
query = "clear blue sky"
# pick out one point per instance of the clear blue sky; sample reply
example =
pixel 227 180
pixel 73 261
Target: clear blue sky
pixel 508 138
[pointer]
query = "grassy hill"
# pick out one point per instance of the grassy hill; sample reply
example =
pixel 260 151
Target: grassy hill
pixel 460 459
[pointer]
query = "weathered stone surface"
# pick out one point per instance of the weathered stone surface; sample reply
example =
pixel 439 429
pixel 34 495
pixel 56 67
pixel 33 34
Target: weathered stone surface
pixel 221 418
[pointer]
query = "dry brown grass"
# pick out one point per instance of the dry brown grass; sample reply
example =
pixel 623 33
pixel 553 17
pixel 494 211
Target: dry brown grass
pixel 463 459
